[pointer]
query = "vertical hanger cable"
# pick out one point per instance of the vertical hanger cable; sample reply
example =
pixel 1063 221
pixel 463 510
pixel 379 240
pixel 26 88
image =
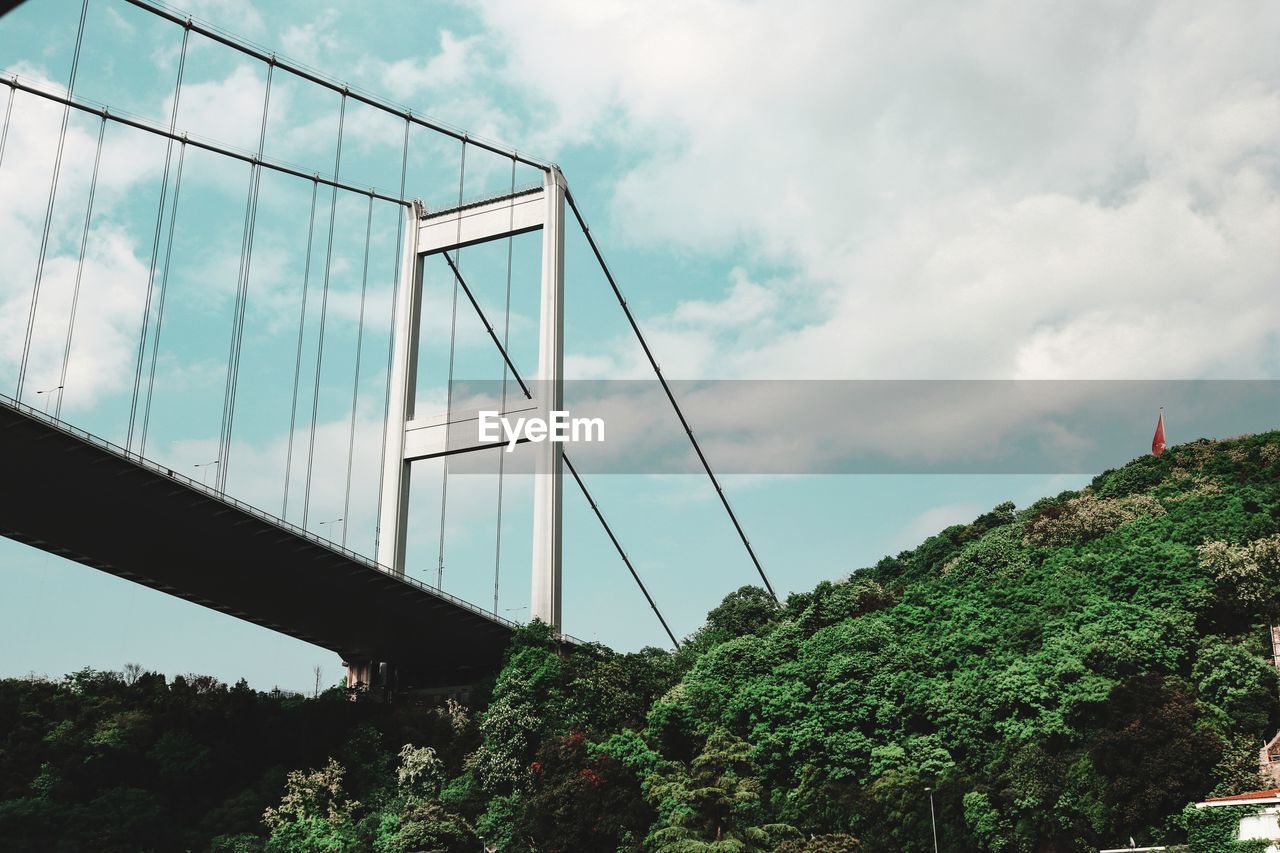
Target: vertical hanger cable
pixel 391 341
pixel 324 308
pixel 453 339
pixel 242 291
pixel 297 359
pixel 53 193
pixel 164 289
pixel 355 385
pixel 506 343
pixel 155 241
pixel 75 291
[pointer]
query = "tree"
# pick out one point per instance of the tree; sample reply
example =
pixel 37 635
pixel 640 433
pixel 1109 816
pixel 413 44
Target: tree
pixel 314 813
pixel 1063 676
pixel 416 819
pixel 714 803
pixel 748 610
pixel 577 801
pixel 1152 751
pixel 132 672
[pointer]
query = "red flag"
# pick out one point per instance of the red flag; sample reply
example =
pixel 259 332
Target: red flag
pixel 1157 442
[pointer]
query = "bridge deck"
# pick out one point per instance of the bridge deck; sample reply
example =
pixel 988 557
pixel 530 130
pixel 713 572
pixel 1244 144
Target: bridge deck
pixel 79 497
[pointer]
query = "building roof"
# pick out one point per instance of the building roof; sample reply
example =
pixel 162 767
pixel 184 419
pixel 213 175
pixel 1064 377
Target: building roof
pixel 1252 798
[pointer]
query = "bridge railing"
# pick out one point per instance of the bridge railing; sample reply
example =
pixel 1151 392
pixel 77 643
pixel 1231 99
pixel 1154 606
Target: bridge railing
pixel 279 67
pixel 222 497
pixel 485 198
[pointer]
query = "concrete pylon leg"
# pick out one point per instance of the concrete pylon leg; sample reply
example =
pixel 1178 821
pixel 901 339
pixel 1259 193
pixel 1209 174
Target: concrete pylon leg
pixel 393 521
pixel 548 491
pixel 360 674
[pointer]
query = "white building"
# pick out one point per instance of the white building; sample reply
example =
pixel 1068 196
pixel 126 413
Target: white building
pixel 1264 825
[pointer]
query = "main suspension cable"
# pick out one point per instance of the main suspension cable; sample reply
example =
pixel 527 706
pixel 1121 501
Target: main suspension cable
pixel 75 291
pixel 618 545
pixel 324 307
pixel 297 359
pixel 355 386
pixel 493 336
pixel 195 142
pixel 324 82
pixel 48 214
pixel 448 406
pixel 653 362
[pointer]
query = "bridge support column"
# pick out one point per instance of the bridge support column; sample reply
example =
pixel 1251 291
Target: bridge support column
pixel 360 674
pixel 393 522
pixel 548 486
pixel 369 680
pixel 409 438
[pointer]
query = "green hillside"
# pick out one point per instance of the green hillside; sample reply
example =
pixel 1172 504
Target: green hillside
pixel 1062 676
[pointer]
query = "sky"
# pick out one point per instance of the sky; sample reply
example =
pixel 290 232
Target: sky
pixel 810 190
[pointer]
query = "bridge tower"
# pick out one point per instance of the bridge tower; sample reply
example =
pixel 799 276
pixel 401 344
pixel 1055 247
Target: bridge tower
pixel 411 437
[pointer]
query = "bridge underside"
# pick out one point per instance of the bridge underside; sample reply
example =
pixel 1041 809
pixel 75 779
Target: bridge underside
pixel 81 499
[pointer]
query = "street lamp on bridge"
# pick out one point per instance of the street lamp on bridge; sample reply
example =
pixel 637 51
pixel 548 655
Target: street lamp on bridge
pixel 204 475
pixel 330 521
pixel 49 393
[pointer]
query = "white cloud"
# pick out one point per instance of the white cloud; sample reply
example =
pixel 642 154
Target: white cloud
pixel 310 42
pixel 746 302
pixel 692 338
pixel 229 110
pixel 408 78
pixel 117 20
pixel 115 270
pixel 980 190
pixel 113 278
pixel 936 519
pixel 242 14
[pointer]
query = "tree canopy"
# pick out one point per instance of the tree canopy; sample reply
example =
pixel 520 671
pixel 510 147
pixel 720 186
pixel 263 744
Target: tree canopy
pixel 1062 677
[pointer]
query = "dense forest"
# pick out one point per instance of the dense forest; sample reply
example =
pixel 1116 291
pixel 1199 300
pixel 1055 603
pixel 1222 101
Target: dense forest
pixel 1058 678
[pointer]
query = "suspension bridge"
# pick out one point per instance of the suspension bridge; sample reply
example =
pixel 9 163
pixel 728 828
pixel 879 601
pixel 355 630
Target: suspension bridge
pixel 106 495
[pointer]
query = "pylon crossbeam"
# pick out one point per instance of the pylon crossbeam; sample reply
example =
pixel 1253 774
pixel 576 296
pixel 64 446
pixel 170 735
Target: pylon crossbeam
pixel 471 224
